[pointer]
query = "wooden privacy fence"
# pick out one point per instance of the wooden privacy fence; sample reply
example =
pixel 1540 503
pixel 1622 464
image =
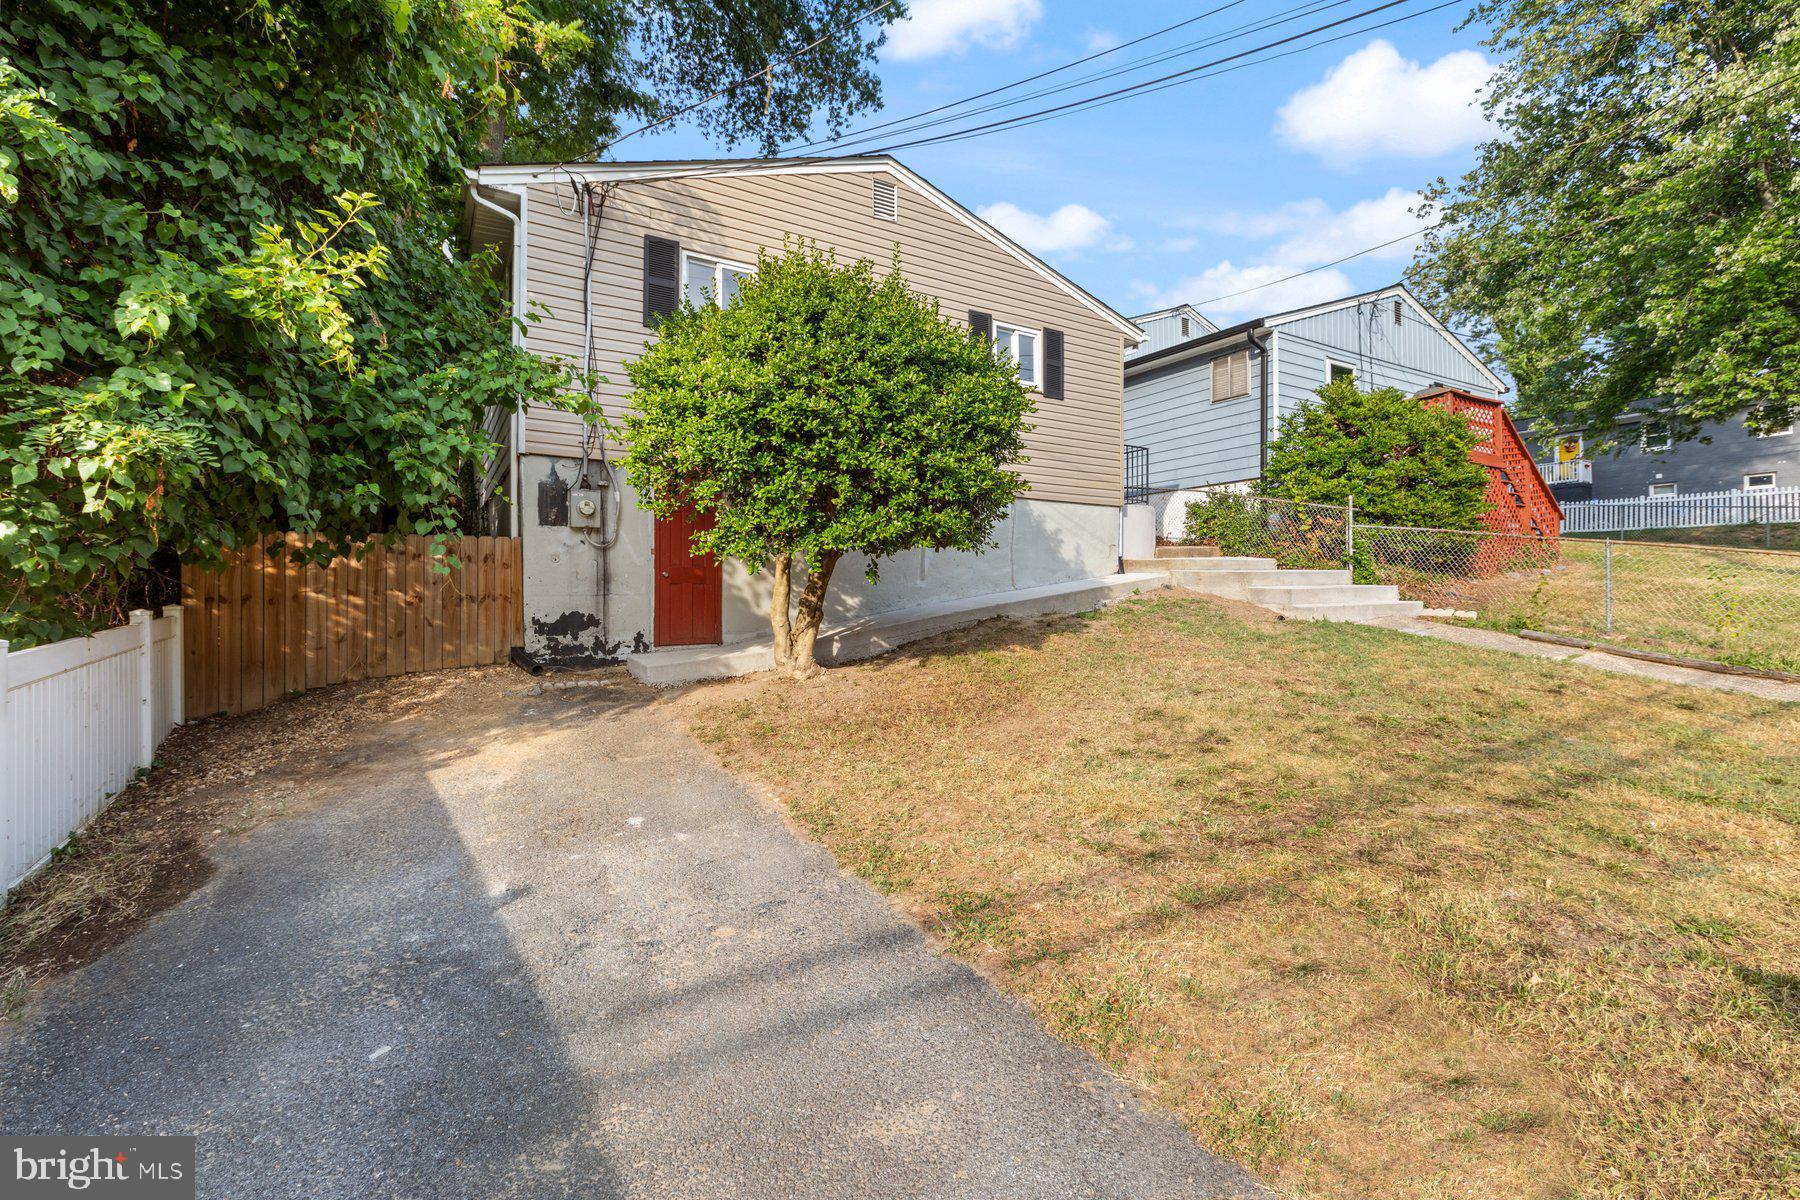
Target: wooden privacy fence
pixel 266 626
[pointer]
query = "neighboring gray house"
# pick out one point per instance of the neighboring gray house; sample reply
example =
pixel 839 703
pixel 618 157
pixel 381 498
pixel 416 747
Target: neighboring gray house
pixel 1639 460
pixel 1205 407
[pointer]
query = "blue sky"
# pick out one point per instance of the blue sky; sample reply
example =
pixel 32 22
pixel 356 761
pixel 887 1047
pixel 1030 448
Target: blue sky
pixel 1203 189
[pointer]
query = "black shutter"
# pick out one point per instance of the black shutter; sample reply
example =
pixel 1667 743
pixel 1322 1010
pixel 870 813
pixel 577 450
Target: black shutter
pixel 981 326
pixel 662 278
pixel 1053 364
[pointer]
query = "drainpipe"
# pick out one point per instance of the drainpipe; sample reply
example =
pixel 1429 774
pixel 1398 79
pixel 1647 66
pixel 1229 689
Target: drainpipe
pixel 518 306
pixel 1262 370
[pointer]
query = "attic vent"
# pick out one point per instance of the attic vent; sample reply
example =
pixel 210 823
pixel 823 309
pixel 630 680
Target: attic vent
pixel 887 200
pixel 1184 327
pixel 1397 319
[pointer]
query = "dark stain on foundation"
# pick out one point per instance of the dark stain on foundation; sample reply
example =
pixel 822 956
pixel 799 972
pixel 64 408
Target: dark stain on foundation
pixel 568 644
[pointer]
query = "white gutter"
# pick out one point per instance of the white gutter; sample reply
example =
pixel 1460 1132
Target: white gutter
pixel 517 220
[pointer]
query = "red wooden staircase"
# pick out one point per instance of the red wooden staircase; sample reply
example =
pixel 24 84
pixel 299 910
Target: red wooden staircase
pixel 1519 501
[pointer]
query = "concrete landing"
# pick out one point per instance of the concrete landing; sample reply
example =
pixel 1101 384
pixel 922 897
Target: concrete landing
pixel 869 636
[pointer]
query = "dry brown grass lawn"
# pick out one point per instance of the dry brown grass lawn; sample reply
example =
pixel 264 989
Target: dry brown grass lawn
pixel 1378 915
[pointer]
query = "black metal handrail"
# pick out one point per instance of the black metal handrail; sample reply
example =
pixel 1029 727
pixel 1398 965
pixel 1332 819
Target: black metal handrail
pixel 1137 474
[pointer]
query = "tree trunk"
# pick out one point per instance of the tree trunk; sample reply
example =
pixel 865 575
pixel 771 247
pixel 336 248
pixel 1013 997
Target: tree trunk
pixel 493 141
pixel 807 615
pixel 778 613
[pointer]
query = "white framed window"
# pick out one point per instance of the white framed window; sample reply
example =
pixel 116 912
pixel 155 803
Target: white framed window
pixel 1231 376
pixel 1569 448
pixel 1761 431
pixel 1656 440
pixel 1664 489
pixel 1760 481
pixel 711 280
pixel 1023 346
pixel 1335 371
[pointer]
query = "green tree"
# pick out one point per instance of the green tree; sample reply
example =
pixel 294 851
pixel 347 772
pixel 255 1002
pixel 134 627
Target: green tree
pixel 224 298
pixel 648 60
pixel 1634 231
pixel 1406 463
pixel 826 411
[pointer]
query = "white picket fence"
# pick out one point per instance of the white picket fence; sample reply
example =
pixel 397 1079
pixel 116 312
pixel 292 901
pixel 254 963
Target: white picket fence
pixel 77 720
pixel 1778 505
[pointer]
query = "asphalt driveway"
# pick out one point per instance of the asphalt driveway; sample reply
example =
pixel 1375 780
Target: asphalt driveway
pixel 527 945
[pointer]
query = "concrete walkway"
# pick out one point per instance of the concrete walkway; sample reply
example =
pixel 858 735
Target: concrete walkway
pixel 540 946
pixel 1490 639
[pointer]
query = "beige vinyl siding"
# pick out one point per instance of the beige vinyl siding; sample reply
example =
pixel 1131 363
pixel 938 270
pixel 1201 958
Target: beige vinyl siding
pixel 1076 442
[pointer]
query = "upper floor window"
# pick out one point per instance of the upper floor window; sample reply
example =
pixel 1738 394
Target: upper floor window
pixel 1231 375
pixel 1335 371
pixel 711 281
pixel 1657 440
pixel 1568 449
pixel 1760 481
pixel 1020 345
pixel 1762 431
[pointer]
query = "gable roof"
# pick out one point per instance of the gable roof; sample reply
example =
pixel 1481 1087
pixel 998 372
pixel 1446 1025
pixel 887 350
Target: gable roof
pixel 1188 310
pixel 1397 291
pixel 518 174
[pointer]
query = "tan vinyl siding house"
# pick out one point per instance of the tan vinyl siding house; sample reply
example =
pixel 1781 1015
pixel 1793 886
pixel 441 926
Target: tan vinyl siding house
pixel 728 212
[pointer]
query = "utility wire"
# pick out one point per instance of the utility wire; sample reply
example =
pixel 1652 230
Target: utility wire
pixel 1139 88
pixel 914 124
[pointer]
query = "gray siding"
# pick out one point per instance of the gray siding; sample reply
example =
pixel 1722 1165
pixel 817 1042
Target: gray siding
pixel 1717 461
pixel 1193 441
pixel 1410 356
pixel 1162 332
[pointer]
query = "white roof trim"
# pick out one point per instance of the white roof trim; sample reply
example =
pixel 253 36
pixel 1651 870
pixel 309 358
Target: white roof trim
pixel 503 174
pixel 1402 292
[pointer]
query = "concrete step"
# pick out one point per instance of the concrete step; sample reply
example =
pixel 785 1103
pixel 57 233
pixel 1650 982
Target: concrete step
pixel 1364 611
pixel 1237 584
pixel 1287 595
pixel 1188 552
pixel 1198 566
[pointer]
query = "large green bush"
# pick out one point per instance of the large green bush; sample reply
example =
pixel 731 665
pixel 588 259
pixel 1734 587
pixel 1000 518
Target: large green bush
pixel 1406 463
pixel 826 411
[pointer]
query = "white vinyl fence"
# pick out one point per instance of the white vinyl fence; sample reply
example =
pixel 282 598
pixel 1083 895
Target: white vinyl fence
pixel 1755 507
pixel 77 720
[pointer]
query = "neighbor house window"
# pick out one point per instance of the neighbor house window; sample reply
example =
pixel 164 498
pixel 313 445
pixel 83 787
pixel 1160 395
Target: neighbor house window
pixel 1020 345
pixel 1335 371
pixel 710 281
pixel 1663 489
pixel 1657 440
pixel 1767 431
pixel 1569 449
pixel 1231 376
pixel 1762 480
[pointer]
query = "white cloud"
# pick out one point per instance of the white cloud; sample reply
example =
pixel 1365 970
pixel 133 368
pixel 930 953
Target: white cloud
pixel 1377 104
pixel 1071 228
pixel 1366 223
pixel 934 27
pixel 1102 39
pixel 1227 278
pixel 1305 234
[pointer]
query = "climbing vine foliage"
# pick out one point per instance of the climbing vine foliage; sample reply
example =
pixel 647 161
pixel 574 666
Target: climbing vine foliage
pixel 229 298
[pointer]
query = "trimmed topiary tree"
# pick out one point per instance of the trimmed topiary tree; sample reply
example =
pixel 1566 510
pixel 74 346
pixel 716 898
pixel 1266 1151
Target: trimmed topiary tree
pixel 1406 463
pixel 824 412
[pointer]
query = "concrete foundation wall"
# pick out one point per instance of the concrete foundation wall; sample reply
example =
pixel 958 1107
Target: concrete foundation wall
pixel 1042 542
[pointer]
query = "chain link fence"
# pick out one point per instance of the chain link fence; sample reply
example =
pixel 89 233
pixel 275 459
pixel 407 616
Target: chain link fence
pixel 1729 604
